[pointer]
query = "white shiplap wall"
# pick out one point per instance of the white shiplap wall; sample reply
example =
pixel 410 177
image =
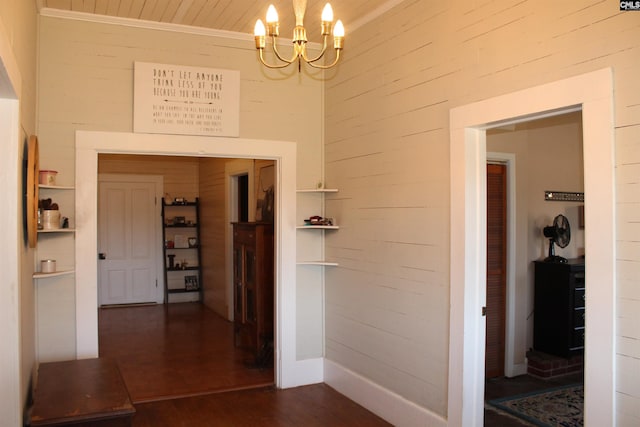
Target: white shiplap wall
pixel 86 83
pixel 387 149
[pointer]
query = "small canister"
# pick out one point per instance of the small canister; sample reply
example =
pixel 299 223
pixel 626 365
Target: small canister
pixel 48 266
pixel 48 177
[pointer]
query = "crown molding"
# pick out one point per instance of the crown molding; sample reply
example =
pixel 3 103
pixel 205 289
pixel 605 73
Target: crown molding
pixel 141 23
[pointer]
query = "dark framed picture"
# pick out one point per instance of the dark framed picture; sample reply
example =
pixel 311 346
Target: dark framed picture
pixel 265 194
pixel 191 283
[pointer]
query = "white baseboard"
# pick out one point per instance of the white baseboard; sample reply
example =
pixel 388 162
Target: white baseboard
pixel 388 405
pixel 304 372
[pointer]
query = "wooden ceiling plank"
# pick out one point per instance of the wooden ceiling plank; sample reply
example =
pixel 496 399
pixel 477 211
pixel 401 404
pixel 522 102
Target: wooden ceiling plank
pixel 171 10
pixel 101 7
pixel 245 20
pixel 192 12
pixel 147 9
pixel 222 16
pixel 181 11
pixel 77 5
pixel 123 10
pixel 205 13
pixel 59 4
pixel 136 9
pixel 113 7
pixel 158 10
pixel 231 15
pixel 89 6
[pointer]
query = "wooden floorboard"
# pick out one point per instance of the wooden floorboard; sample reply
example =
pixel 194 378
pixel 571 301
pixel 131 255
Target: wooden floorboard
pixel 309 406
pixel 176 350
pixel 181 369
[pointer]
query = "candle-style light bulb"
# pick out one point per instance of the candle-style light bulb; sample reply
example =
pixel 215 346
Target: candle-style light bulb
pixel 272 14
pixel 259 29
pixel 327 13
pixel 338 30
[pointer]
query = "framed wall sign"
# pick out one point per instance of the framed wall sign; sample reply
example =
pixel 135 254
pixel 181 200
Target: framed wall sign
pixel 177 99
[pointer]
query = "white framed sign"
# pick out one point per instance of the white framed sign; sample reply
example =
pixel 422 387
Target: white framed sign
pixel 176 99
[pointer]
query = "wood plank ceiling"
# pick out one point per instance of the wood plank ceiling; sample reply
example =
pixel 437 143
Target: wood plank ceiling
pixel 230 15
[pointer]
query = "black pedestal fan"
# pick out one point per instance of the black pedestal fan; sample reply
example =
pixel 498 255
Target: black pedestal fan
pixel 559 234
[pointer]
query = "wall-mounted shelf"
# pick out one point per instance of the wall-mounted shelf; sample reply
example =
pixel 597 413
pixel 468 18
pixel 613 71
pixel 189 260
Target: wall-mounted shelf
pixel 58 230
pixel 54 274
pixel 321 263
pixel 321 192
pixel 318 190
pixel 55 187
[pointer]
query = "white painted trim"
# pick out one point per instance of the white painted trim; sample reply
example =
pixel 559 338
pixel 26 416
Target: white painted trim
pixel 11 228
pixel 594 93
pixel 161 26
pixel 309 371
pixel 509 160
pixel 144 24
pixel 158 180
pixel 89 144
pixel 388 405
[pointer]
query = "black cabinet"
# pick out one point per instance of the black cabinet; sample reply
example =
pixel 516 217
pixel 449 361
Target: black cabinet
pixel 559 307
pixel 182 260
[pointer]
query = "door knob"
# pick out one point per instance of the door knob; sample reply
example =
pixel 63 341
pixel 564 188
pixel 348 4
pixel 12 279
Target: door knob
pixel 102 255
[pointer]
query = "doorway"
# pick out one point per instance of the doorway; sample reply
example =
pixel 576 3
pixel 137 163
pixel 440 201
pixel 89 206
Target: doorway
pixel 289 371
pixel 591 93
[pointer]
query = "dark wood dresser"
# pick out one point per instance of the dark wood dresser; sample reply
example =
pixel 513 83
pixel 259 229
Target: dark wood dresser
pixel 253 281
pixel 81 393
pixel 559 307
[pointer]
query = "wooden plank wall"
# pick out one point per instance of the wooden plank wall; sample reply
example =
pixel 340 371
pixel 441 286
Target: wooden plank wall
pixel 213 212
pixel 387 150
pixel 85 82
pixel 180 174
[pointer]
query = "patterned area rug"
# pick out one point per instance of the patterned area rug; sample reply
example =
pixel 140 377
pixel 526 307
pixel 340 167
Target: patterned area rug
pixel 560 406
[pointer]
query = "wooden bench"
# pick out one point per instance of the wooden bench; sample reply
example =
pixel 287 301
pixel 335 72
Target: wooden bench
pixel 88 392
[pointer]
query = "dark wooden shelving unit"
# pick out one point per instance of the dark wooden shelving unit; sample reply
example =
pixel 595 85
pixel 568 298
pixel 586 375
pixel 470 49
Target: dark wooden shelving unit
pixel 175 272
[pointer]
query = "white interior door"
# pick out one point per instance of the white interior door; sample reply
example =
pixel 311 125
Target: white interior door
pixel 127 243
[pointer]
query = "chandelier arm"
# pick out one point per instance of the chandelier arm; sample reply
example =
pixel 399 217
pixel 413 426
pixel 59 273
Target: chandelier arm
pixel 324 67
pixel 324 50
pixel 294 56
pixel 286 64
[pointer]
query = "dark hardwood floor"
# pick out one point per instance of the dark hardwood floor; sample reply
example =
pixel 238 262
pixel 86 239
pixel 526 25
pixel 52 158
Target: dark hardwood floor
pixel 176 350
pixel 181 369
pixel 309 406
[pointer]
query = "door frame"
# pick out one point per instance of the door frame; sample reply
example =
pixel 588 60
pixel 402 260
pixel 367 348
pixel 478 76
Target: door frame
pixel 289 372
pixel 158 180
pixel 511 369
pixel 593 94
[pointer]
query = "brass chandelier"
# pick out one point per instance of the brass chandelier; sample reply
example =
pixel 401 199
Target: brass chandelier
pixel 299 37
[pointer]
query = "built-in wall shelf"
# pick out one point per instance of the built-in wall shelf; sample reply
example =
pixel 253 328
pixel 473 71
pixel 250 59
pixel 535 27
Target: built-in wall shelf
pixel 54 274
pixel 58 230
pixel 318 190
pixel 56 187
pixel 322 263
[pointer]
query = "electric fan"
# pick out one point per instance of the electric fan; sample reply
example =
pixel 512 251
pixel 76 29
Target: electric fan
pixel 559 234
